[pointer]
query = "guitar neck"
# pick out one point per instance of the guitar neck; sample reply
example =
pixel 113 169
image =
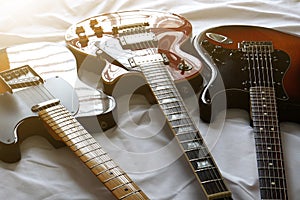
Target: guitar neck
pixel 69 130
pixel 185 131
pixel 269 153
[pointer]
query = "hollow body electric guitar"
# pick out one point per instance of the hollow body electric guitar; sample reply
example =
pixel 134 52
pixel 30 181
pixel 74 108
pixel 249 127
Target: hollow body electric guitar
pixel 34 105
pixel 148 44
pixel 258 70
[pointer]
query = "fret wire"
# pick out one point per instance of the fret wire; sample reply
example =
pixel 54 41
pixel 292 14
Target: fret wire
pixel 174 94
pixel 162 69
pixel 268 121
pixel 104 173
pixel 92 154
pixel 84 150
pixel 80 142
pixel 262 64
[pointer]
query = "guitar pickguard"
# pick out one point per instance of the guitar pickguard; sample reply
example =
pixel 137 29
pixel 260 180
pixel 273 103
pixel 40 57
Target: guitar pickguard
pixel 227 69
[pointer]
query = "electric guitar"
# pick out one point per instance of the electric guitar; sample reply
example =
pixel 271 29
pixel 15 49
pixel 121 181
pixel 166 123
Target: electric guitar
pixel 144 48
pixel 91 107
pixel 28 98
pixel 256 69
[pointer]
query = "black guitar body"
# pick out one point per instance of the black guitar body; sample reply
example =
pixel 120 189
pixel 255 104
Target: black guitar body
pixel 227 76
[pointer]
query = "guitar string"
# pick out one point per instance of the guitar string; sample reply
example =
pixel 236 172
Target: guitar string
pixel 267 87
pixel 261 86
pixel 266 53
pixel 251 54
pixel 277 128
pixel 45 95
pixel 149 46
pixel 274 121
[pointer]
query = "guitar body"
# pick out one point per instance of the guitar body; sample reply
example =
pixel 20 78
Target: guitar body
pixel 29 97
pixel 142 52
pixel 56 64
pixel 255 69
pixel 227 72
pixel 19 121
pixel 172 30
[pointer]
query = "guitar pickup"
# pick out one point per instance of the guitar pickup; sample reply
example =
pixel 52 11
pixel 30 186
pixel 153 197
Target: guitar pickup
pixel 136 38
pixel 20 77
pixel 148 59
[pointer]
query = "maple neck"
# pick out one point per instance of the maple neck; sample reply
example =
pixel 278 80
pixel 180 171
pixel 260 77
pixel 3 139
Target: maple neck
pixel 185 131
pixel 269 153
pixel 69 130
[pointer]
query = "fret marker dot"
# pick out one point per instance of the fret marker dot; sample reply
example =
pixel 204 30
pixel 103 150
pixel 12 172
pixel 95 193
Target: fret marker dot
pixel 261 129
pixel 265 113
pixel 272 129
pixel 264 105
pixel 269 148
pixel 270 164
pixel 126 189
pixel 272 183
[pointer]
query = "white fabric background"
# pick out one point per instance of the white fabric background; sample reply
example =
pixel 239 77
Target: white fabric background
pixel 48 173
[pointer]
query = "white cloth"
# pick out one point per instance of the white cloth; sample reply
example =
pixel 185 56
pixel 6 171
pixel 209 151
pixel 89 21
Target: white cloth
pixel 141 143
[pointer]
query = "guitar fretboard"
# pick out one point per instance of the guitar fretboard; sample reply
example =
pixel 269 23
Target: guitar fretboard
pixel 185 131
pixel 268 143
pixel 66 127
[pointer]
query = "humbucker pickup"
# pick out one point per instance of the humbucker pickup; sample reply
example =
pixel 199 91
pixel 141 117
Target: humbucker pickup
pixel 148 59
pixel 138 37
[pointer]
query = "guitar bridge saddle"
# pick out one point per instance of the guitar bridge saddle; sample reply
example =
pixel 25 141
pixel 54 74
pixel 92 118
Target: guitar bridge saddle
pixel 21 77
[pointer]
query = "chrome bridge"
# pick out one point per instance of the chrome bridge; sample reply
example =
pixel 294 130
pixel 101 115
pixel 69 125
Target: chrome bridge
pixel 19 78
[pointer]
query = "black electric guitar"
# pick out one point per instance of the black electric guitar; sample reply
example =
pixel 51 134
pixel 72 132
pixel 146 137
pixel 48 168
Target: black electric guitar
pixel 256 69
pixel 91 107
pixel 29 99
pixel 144 48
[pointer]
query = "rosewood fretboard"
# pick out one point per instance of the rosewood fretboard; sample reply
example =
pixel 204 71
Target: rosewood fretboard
pixel 185 131
pixel 269 153
pixel 272 181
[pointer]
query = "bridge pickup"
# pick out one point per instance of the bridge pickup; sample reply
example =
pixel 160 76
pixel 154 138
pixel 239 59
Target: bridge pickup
pixel 20 77
pixel 148 59
pixel 45 104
